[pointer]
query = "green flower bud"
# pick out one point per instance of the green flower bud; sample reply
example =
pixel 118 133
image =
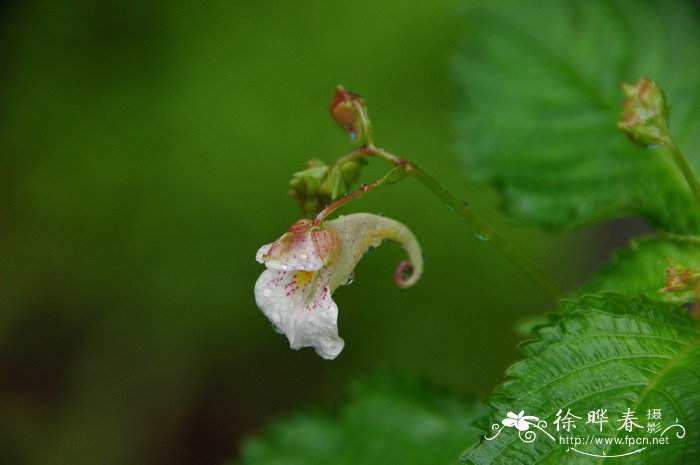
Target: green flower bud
pixel 351 171
pixel 645 115
pixel 320 184
pixel 305 186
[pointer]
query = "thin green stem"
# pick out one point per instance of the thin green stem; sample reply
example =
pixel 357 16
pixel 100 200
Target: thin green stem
pixel 350 156
pixel 486 232
pixel 682 163
pixel 481 228
pixel 367 150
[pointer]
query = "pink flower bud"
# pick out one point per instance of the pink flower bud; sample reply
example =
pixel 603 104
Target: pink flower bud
pixel 349 110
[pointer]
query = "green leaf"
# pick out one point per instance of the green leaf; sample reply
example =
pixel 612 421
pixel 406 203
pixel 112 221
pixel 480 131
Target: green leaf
pixel 387 420
pixel 540 96
pixel 603 351
pixel 641 268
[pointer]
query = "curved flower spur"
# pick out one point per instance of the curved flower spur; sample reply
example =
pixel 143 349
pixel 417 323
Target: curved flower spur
pixel 309 262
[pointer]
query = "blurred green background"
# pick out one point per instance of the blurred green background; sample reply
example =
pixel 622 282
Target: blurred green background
pixel 145 151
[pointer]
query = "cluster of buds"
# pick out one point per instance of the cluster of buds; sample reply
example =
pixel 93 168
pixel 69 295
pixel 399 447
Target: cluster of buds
pixel 645 113
pixel 320 184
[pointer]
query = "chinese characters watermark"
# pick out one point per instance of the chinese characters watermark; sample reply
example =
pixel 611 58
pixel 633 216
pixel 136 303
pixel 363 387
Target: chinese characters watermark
pixel 627 430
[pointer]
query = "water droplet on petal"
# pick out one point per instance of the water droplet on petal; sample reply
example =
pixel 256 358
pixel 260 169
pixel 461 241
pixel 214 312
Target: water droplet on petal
pixel 267 292
pixel 303 256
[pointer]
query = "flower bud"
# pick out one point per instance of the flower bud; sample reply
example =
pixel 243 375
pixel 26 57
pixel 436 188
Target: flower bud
pixel 349 110
pixel 680 278
pixel 645 114
pixel 305 186
pixel 319 184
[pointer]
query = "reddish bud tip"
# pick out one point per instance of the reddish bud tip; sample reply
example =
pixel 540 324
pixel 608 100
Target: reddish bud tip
pixel 349 111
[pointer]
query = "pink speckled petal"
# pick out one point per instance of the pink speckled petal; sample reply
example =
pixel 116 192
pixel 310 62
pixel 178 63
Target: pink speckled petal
pixel 302 256
pixel 299 304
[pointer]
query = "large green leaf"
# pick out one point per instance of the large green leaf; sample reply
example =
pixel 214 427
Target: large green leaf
pixel 641 268
pixel 387 421
pixel 540 96
pixel 604 351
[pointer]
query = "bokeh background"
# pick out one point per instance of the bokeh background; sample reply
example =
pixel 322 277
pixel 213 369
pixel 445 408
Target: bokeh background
pixel 145 151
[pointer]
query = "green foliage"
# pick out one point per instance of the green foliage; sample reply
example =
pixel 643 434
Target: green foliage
pixel 387 420
pixel 540 95
pixel 540 84
pixel 602 351
pixel 640 269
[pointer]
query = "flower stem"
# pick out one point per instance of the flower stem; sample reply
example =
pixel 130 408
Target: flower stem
pixel 682 163
pixel 398 173
pixel 486 232
pixel 350 156
pixel 481 228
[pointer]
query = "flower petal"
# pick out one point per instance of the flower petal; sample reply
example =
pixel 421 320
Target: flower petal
pixel 302 256
pixel 299 305
pixel 303 247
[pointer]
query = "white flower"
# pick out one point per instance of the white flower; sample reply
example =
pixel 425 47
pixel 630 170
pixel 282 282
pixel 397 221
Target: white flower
pixel 520 421
pixel 308 263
